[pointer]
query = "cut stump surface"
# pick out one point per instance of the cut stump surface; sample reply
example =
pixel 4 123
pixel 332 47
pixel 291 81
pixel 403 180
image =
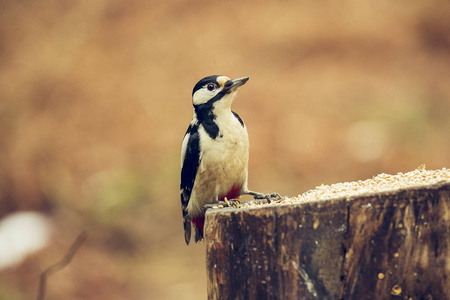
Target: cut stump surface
pixel 390 243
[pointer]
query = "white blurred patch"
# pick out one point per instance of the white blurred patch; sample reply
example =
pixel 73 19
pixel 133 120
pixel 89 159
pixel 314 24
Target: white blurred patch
pixel 21 234
pixel 367 140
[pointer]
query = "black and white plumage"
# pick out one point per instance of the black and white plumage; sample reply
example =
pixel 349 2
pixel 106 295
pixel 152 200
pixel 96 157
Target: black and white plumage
pixel 215 151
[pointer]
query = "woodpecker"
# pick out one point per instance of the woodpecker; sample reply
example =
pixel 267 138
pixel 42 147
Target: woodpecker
pixel 214 152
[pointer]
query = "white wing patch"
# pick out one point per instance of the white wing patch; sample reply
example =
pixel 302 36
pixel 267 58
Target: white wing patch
pixel 183 148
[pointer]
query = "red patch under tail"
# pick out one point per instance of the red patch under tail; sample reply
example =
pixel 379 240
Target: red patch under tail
pixel 199 222
pixel 232 194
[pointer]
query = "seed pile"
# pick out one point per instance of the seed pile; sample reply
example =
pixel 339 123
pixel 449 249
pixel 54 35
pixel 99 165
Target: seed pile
pixel 380 183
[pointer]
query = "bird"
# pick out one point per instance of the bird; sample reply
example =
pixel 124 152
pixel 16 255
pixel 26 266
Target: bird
pixel 214 153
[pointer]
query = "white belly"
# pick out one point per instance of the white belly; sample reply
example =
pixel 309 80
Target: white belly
pixel 223 166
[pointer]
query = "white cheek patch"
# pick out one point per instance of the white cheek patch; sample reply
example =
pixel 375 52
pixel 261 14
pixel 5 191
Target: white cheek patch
pixel 203 95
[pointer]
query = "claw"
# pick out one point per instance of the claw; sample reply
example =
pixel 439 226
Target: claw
pixel 268 197
pixel 225 203
pixel 210 205
pixel 232 202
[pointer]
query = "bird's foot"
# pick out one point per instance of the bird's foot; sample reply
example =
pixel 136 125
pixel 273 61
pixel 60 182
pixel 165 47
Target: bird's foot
pixel 210 205
pixel 232 203
pixel 261 196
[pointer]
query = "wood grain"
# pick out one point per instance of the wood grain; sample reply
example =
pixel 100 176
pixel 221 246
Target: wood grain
pixel 390 245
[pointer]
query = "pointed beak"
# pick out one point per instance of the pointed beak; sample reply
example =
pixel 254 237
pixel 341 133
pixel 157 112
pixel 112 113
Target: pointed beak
pixel 233 85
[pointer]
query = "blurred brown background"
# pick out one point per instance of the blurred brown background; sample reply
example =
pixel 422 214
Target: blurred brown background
pixel 95 97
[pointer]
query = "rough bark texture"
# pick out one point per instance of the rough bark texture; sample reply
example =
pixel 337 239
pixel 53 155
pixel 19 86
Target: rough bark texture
pixel 391 245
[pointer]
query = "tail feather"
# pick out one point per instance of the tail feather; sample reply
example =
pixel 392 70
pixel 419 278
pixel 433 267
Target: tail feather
pixel 187 229
pixel 199 223
pixel 198 235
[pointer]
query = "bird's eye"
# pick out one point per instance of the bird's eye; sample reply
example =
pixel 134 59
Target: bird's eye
pixel 211 87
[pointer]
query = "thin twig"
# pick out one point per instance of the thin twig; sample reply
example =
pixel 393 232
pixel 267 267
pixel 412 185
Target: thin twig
pixel 61 264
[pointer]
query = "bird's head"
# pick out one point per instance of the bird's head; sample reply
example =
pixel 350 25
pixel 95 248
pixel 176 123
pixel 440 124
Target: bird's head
pixel 216 89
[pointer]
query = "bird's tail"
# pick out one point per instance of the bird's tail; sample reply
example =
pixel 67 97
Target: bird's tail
pixel 187 227
pixel 199 222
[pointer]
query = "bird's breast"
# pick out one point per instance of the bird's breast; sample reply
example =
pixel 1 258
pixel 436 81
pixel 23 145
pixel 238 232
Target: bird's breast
pixel 223 168
pixel 229 149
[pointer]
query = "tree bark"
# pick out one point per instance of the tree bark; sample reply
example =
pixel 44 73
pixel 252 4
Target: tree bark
pixel 390 245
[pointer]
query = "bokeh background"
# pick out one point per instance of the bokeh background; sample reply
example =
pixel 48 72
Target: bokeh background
pixel 95 97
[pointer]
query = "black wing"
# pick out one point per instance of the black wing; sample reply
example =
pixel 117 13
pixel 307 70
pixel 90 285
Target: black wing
pixel 239 118
pixel 190 154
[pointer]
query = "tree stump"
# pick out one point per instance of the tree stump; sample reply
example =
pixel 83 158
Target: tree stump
pixel 391 244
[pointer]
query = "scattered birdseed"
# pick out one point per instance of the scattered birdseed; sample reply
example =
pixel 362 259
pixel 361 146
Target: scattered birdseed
pixel 380 183
pixel 396 290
